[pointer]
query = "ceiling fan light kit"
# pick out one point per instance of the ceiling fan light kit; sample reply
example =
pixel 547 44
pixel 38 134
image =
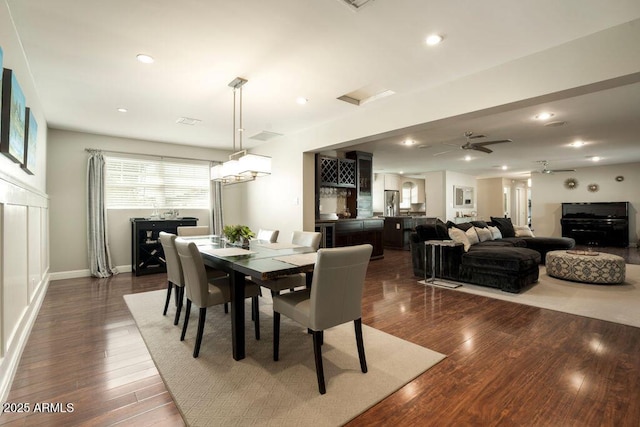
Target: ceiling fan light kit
pixel 476 146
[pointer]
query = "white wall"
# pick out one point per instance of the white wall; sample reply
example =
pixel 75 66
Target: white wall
pixel 489 198
pixel 67 163
pixel 435 183
pixel 548 192
pixel 24 223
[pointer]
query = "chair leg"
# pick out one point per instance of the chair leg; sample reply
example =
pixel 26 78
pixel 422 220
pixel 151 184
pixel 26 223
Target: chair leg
pixel 180 292
pixel 363 361
pixel 276 335
pixel 166 303
pixel 187 312
pixel 201 318
pixel 255 310
pixel 317 351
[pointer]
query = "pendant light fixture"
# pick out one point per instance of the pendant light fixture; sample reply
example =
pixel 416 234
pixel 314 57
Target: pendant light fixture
pixel 241 166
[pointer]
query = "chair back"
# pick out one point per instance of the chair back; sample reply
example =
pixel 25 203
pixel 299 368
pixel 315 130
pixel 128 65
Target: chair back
pixel 306 238
pixel 195 275
pixel 270 236
pixel 337 286
pixel 174 268
pixel 193 230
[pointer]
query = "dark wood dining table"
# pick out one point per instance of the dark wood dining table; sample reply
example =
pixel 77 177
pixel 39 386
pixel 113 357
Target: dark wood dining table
pixel 262 260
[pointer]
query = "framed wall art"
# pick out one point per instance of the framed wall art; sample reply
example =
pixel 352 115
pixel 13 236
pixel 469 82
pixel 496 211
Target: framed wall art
pixel 30 143
pixel 12 118
pixel 1 73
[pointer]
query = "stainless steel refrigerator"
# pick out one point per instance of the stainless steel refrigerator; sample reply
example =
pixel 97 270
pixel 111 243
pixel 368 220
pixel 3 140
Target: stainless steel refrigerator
pixel 391 203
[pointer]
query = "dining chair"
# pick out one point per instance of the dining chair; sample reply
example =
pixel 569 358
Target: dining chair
pixel 292 281
pixel 206 293
pixel 335 297
pixel 175 277
pixel 270 236
pixel 193 230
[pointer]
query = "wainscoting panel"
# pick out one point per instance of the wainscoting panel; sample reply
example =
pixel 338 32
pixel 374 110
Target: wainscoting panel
pixel 14 269
pixel 34 244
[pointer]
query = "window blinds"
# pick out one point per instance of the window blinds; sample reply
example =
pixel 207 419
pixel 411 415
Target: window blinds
pixel 155 184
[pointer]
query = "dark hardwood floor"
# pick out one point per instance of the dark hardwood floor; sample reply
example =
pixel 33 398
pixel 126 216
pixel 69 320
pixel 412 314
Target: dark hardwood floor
pixel 507 364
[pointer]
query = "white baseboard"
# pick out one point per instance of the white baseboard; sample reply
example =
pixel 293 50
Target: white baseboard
pixel 74 274
pixel 9 364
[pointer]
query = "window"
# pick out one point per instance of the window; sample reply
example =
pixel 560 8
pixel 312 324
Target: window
pixel 142 183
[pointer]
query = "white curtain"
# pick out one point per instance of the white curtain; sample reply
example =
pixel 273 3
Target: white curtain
pixel 100 263
pixel 216 207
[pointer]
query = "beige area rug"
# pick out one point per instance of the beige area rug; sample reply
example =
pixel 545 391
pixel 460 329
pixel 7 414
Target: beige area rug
pixel 614 303
pixel 215 390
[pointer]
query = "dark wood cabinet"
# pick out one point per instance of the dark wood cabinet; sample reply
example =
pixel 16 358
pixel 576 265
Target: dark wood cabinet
pixel 398 229
pixel 361 202
pixel 335 172
pixel 147 256
pixel 357 232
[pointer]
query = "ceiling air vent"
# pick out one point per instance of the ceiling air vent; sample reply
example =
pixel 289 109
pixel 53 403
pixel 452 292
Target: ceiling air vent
pixel 187 121
pixel 265 135
pixel 355 4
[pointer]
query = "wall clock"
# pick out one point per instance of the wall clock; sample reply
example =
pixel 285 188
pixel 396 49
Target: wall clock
pixel 593 187
pixel 619 178
pixel 571 183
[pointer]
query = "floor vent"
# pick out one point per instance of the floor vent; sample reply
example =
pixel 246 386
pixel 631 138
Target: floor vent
pixel 188 121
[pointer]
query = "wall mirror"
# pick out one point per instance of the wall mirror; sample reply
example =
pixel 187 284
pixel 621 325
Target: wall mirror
pixel 462 197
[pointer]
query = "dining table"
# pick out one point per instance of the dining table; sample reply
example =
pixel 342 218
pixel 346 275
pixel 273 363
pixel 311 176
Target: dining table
pixel 262 260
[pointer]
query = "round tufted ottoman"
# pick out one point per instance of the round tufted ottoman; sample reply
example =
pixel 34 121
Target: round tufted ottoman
pixel 601 268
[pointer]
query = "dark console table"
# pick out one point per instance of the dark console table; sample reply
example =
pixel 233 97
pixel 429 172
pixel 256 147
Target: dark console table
pixel 147 256
pixel 598 223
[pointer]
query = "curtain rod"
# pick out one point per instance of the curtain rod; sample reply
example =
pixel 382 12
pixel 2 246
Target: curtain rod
pixel 91 150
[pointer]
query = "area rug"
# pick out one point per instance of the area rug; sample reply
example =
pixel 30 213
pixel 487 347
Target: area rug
pixel 613 303
pixel 214 389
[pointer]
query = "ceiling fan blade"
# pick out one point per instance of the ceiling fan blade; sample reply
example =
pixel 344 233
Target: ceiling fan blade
pixel 562 170
pixel 500 141
pixel 444 152
pixel 481 148
pixel 476 136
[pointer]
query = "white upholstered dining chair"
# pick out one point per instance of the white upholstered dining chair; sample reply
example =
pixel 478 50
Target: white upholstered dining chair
pixel 335 297
pixel 206 293
pixel 292 281
pixel 270 236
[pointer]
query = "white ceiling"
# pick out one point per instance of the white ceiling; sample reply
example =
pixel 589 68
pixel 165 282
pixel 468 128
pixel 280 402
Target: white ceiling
pixel 82 57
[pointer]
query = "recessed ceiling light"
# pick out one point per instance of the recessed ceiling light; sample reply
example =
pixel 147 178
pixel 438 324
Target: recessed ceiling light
pixel 122 110
pixel 467 158
pixel 544 116
pixel 434 39
pixel 145 59
pixel 505 167
pixel 595 158
pixel 301 100
pixel 577 144
pixel 401 172
pixel 408 142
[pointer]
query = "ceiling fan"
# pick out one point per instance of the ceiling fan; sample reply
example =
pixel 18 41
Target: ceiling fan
pixel 477 146
pixel 545 164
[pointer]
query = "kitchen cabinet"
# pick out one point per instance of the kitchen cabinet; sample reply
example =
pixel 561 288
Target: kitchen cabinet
pixel 147 256
pixel 397 230
pixel 335 172
pixel 361 201
pixel 353 232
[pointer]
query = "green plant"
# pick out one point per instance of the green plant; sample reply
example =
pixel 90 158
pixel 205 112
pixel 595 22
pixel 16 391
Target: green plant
pixel 233 233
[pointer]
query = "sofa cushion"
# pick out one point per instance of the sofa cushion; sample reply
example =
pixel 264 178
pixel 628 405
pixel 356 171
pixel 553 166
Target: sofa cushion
pixel 464 226
pixel 427 232
pixel 523 231
pixel 484 234
pixel 505 226
pixel 518 242
pixel 441 229
pixel 480 224
pixel 495 243
pixel 547 244
pixel 495 232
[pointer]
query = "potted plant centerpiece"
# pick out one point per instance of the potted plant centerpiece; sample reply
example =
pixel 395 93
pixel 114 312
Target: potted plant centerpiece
pixel 238 235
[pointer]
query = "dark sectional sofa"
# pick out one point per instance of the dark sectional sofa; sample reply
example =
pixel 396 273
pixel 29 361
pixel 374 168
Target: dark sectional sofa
pixel 509 263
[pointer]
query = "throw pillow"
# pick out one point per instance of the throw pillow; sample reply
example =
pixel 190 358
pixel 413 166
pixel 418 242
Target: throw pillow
pixel 484 234
pixel 495 233
pixel 505 226
pixel 441 229
pixel 464 226
pixel 459 236
pixel 523 231
pixel 427 232
pixel 480 224
pixel 472 236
